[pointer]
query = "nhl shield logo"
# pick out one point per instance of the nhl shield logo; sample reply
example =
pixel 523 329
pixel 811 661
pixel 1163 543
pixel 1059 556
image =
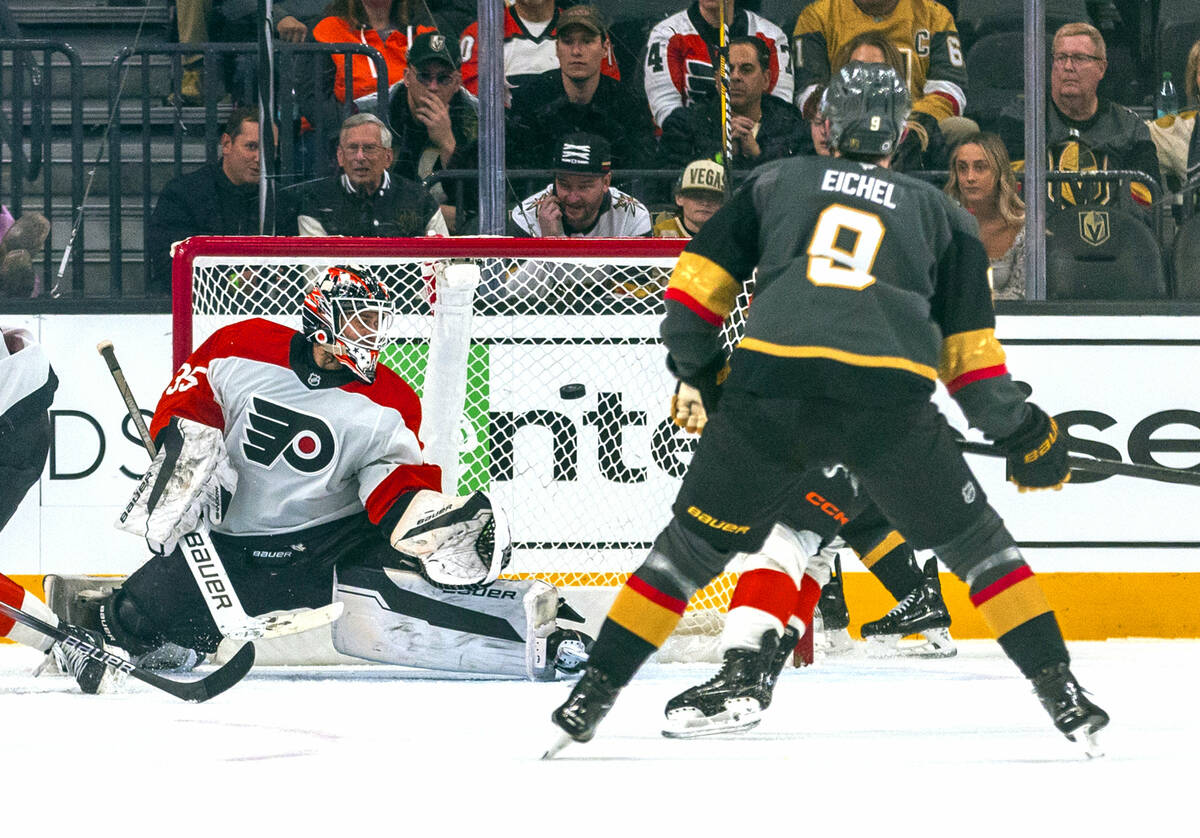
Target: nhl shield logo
pixel 437 43
pixel 1093 227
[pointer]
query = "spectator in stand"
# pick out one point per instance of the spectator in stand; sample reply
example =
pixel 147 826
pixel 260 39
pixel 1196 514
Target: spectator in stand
pixel 681 55
pixel 386 25
pixel 530 27
pixel 1083 131
pixel 435 122
pixel 699 193
pixel 762 127
pixel 218 199
pixel 365 199
pixel 818 123
pixel 576 97
pixel 982 181
pixel 21 244
pixel 582 200
pixel 294 19
pixel 921 29
pixel 1175 135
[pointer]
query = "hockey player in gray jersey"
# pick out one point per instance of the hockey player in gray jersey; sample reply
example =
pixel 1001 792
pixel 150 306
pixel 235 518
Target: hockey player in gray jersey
pixel 871 286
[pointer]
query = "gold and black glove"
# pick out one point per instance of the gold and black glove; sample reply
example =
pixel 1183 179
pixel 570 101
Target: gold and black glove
pixel 1037 453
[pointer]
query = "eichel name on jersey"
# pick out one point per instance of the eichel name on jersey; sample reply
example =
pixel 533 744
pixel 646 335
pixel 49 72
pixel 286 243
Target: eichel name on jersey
pixel 876 286
pixel 310 446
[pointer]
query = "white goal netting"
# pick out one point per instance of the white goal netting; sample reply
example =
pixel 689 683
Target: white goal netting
pixel 544 381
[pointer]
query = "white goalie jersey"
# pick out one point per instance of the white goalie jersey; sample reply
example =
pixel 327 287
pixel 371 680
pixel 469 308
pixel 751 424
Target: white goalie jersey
pixel 309 445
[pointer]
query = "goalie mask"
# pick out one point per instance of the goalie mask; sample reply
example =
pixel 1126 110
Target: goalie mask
pixel 351 315
pixel 867 105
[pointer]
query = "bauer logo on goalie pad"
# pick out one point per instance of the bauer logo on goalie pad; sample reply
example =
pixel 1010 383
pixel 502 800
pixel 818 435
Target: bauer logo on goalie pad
pixel 305 441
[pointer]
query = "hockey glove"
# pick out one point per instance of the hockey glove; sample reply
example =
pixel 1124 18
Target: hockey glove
pixel 458 541
pixel 696 397
pixel 190 477
pixel 1037 453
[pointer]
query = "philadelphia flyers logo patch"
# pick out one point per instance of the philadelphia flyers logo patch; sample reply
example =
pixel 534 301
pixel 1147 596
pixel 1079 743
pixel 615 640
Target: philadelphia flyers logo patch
pixel 305 441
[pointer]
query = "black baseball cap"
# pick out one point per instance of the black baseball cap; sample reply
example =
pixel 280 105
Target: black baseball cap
pixel 433 45
pixel 584 153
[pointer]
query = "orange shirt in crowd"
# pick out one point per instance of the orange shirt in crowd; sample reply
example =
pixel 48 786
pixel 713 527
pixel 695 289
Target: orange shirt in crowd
pixel 334 30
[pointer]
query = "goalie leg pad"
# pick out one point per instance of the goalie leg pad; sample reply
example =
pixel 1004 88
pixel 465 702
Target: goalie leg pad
pixel 398 617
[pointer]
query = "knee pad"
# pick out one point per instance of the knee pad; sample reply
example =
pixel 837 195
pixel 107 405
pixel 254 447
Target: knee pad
pixel 785 550
pixel 984 551
pixel 681 562
pixel 118 618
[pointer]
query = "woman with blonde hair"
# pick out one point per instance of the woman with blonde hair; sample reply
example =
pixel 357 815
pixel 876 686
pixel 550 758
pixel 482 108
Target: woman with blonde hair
pixel 1173 133
pixel 982 181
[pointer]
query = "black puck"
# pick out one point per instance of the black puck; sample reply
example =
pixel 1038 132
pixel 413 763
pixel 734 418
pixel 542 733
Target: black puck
pixel 572 391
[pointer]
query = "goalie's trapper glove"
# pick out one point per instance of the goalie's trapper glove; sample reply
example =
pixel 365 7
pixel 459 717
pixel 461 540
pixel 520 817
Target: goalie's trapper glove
pixel 190 478
pixel 457 541
pixel 1037 453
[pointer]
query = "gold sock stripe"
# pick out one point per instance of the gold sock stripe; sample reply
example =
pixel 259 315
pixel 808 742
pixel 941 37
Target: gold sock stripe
pixel 890 542
pixel 643 617
pixel 1013 606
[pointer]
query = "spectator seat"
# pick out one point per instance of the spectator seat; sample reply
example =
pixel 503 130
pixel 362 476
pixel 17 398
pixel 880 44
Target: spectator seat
pixel 1101 253
pixel 1186 259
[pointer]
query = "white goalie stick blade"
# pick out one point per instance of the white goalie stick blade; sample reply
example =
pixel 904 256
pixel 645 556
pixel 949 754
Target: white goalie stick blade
pixel 288 622
pixel 934 643
pixel 739 715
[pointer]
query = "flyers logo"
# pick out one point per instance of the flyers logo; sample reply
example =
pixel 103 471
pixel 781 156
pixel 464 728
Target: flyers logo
pixel 305 441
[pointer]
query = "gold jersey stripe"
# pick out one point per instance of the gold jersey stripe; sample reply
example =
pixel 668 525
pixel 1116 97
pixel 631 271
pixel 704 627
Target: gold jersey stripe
pixel 1014 606
pixel 852 358
pixel 968 351
pixel 706 282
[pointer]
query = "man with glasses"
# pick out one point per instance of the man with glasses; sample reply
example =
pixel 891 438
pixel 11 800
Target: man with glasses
pixel 364 199
pixel 435 122
pixel 1083 131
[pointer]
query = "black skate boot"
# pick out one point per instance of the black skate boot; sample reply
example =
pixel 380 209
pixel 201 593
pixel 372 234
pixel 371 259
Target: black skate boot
pixel 585 708
pixel 921 612
pixel 787 645
pixel 90 674
pixel 835 618
pixel 732 700
pixel 1076 717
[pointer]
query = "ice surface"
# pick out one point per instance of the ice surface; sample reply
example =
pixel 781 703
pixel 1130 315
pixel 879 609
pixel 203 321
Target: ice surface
pixel 850 747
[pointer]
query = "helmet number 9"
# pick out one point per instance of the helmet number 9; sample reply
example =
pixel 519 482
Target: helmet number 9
pixel 843 247
pixel 875 121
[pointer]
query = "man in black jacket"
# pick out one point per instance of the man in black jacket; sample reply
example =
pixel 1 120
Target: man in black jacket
pixel 364 199
pixel 220 199
pixel 577 97
pixel 763 127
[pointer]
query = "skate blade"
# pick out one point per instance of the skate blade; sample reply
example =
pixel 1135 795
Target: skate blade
pixel 738 716
pixel 838 642
pixel 1088 739
pixel 563 741
pixel 935 643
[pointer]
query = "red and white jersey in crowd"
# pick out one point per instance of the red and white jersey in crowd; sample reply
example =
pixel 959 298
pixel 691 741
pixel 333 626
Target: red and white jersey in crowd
pixel 525 54
pixel 681 54
pixel 309 445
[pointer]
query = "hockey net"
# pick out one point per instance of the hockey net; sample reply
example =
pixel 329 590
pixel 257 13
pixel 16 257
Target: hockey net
pixel 542 377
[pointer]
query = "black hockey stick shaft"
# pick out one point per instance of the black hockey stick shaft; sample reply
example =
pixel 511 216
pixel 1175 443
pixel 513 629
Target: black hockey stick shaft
pixel 1100 466
pixel 105 348
pixel 203 689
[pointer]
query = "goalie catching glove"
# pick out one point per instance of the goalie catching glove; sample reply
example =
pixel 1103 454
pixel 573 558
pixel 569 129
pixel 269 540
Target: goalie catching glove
pixel 458 541
pixel 1037 453
pixel 190 478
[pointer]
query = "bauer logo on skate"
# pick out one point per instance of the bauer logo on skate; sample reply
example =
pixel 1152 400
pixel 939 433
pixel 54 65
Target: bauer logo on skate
pixel 716 523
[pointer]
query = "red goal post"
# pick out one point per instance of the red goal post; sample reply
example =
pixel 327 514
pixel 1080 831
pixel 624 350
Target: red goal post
pixel 497 334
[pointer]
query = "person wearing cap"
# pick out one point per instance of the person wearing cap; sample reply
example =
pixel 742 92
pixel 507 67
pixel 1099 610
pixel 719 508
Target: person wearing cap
pixel 576 96
pixel 529 47
pixel 435 123
pixel 763 127
pixel 699 193
pixel 582 200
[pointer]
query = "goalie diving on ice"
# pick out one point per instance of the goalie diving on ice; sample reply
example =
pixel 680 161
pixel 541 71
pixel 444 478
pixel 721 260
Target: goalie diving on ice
pixel 312 449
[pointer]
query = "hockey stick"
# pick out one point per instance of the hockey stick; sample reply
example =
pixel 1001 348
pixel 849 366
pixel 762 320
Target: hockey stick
pixel 1096 466
pixel 205 563
pixel 203 689
pixel 725 158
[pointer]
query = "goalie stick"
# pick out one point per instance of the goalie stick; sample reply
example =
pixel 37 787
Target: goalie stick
pixel 1100 466
pixel 203 689
pixel 205 563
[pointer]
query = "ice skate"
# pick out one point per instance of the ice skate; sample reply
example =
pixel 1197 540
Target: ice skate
pixel 734 699
pixel 588 704
pixel 1076 717
pixel 91 675
pixel 834 616
pixel 922 612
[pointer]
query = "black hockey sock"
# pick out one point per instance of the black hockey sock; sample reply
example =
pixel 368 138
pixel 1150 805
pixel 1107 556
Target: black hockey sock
pixel 1018 614
pixel 642 617
pixel 892 562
